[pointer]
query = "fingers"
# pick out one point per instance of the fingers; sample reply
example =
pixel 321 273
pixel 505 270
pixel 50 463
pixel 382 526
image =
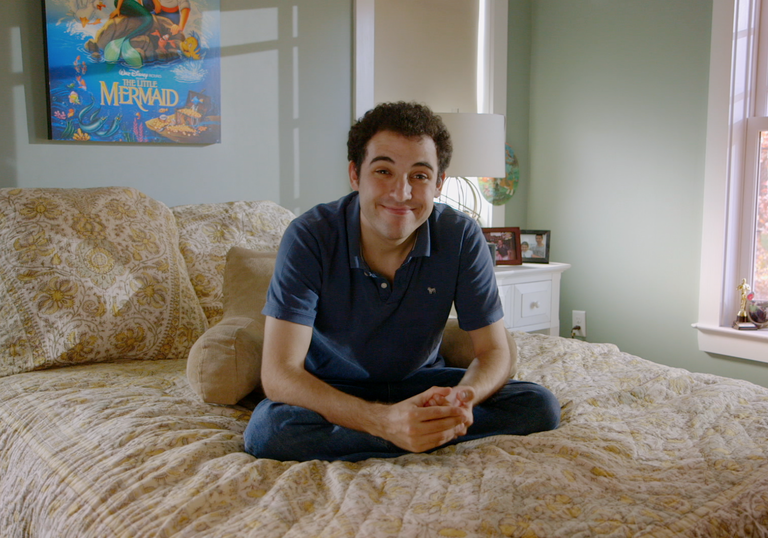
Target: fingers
pixel 432 418
pixel 451 419
pixel 455 396
pixel 460 430
pixel 465 395
pixel 420 428
pixel 426 435
pixel 438 432
pixel 433 441
pixel 435 416
pixel 432 396
pixel 437 400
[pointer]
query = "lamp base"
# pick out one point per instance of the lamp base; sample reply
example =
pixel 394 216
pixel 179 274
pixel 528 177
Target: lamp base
pixel 463 195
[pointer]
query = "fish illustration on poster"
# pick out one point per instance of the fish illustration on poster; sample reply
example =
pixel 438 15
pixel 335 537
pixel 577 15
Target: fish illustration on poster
pixel 136 71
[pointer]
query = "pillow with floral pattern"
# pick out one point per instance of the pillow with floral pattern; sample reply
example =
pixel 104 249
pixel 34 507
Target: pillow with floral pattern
pixel 208 231
pixel 91 275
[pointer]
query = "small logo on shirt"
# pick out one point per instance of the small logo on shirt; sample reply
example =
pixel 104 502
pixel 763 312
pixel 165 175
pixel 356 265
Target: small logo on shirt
pixel 431 291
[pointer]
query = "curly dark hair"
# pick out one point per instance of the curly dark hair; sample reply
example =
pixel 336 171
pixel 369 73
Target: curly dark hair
pixel 406 119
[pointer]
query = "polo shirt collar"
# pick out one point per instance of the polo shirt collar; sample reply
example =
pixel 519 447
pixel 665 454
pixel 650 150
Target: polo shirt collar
pixel 423 246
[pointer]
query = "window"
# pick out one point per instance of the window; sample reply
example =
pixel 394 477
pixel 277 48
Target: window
pixel 464 193
pixel 755 219
pixel 760 277
pixel 755 208
pixel 736 168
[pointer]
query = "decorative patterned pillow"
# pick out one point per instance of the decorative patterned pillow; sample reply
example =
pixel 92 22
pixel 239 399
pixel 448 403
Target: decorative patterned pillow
pixel 224 365
pixel 89 275
pixel 208 231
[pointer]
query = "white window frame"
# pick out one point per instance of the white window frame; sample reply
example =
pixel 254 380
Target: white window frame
pixel 725 250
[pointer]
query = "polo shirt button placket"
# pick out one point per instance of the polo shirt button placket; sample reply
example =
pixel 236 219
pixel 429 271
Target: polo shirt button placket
pixel 385 290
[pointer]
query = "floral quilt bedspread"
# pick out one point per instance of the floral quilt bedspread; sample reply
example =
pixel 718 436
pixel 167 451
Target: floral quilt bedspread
pixel 125 449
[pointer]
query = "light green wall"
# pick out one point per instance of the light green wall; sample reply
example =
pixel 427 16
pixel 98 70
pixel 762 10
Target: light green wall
pixel 255 159
pixel 606 111
pixel 518 101
pixel 617 130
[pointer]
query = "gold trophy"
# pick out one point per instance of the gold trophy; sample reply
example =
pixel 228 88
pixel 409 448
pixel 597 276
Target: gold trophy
pixel 744 288
pixel 742 318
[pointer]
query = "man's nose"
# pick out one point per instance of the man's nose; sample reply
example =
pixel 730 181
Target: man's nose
pixel 401 190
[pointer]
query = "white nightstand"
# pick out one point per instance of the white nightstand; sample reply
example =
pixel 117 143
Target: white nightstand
pixel 530 294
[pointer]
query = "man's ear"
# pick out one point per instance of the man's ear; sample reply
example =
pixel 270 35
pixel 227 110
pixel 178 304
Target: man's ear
pixel 354 179
pixel 439 184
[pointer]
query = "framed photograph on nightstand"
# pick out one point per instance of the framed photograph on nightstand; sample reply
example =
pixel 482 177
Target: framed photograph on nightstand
pixel 507 243
pixel 534 245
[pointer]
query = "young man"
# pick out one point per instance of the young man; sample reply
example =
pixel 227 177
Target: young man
pixel 539 249
pixel 355 311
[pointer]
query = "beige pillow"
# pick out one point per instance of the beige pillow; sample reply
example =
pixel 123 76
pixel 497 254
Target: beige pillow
pixel 90 275
pixel 458 351
pixel 224 365
pixel 208 231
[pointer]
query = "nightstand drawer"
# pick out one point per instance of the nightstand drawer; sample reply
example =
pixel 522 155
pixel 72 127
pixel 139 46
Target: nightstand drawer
pixel 532 303
pixel 530 296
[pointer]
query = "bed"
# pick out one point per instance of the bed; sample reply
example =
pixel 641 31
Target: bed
pixel 127 449
pixel 125 446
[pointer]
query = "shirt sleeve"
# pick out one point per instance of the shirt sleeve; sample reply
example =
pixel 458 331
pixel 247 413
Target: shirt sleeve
pixel 295 286
pixel 477 294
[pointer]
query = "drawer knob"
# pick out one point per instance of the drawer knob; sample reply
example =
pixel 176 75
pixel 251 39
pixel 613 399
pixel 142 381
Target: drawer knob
pixel 535 304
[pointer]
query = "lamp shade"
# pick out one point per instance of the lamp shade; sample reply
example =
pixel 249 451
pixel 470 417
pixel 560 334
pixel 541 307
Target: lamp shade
pixel 478 144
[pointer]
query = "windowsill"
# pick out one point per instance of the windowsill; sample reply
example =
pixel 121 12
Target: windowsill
pixel 751 345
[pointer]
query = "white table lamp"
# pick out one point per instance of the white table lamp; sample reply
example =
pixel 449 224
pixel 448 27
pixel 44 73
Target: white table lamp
pixel 478 151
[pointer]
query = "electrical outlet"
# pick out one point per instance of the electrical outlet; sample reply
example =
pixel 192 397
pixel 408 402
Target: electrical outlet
pixel 580 321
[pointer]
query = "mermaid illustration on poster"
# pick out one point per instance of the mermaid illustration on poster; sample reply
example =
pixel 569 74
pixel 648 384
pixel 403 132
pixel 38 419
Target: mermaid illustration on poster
pixel 144 71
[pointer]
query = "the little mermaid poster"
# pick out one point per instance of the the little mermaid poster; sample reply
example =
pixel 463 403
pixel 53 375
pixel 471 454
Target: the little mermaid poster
pixel 142 71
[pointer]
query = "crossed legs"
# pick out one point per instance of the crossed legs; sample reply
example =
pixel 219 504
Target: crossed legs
pixel 285 432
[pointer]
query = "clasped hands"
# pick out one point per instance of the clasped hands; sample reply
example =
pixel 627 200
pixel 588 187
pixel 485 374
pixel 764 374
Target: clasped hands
pixel 430 419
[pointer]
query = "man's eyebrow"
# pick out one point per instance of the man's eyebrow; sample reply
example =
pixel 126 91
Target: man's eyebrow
pixel 383 158
pixel 425 164
pixel 391 160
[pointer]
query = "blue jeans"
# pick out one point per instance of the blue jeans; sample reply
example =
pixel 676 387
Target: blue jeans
pixel 287 433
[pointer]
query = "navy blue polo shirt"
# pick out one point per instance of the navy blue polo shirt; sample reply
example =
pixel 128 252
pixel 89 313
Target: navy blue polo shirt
pixel 366 329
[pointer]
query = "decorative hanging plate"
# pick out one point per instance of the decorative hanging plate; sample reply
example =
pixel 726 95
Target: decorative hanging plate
pixel 498 190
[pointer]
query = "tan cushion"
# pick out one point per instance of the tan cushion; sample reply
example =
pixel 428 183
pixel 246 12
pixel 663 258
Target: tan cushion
pixel 458 351
pixel 208 231
pixel 224 365
pixel 89 275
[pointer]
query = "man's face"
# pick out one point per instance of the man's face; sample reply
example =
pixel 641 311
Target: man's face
pixel 540 240
pixel 398 183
